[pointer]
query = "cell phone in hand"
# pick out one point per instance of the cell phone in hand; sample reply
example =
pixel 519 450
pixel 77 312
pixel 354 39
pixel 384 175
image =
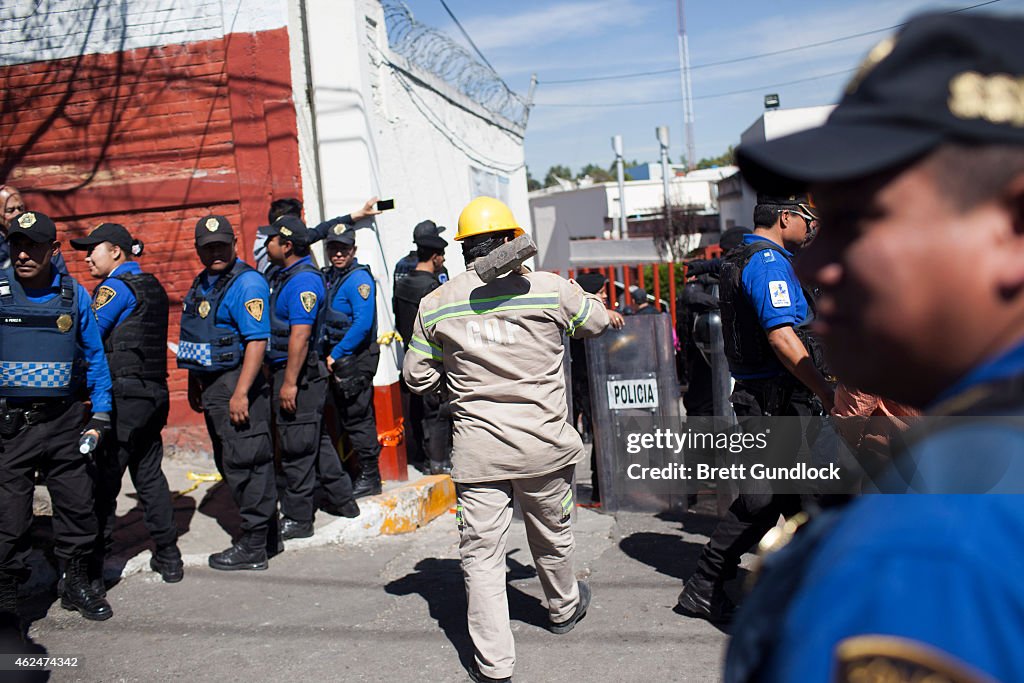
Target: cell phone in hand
pixel 385 204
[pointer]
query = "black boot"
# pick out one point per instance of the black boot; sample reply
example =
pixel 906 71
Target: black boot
pixel 11 630
pixel 368 482
pixel 441 466
pixel 248 553
pixel 704 598
pixel 349 509
pixel 292 528
pixel 77 592
pixel 95 575
pixel 167 563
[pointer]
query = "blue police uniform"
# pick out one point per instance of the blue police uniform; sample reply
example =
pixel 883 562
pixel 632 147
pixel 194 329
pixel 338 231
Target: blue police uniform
pixel 46 336
pixel 759 292
pixel 963 599
pixel 776 296
pixel 350 337
pixel 221 314
pixel 308 454
pixel 135 338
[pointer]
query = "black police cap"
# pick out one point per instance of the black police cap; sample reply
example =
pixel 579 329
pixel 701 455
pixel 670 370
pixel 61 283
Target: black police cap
pixel 343 233
pixel 115 233
pixel 290 228
pixel 942 78
pixel 36 226
pixel 211 229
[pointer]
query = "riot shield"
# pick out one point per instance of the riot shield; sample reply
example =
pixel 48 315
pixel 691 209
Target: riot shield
pixel 634 391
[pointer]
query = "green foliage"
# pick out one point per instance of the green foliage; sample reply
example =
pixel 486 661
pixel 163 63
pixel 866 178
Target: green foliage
pixel 728 158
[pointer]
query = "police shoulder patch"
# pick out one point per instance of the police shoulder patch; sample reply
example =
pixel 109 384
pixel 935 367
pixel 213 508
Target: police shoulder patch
pixel 308 300
pixel 768 256
pixel 255 308
pixel 890 658
pixel 364 291
pixel 102 297
pixel 778 290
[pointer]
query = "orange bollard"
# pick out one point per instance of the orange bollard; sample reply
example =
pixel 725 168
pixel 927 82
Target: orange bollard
pixel 656 272
pixel 387 404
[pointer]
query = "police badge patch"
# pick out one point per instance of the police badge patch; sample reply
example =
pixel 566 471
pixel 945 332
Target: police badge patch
pixel 204 308
pixel 103 296
pixel 211 224
pixel 308 300
pixel 64 322
pixel 364 291
pixel 27 220
pixel 255 308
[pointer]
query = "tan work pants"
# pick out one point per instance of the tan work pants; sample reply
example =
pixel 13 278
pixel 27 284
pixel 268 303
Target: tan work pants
pixel 484 518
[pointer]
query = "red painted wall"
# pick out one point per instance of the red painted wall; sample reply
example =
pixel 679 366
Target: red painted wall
pixel 155 138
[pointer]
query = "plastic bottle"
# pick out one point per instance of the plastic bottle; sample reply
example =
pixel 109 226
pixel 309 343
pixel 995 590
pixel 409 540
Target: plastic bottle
pixel 87 444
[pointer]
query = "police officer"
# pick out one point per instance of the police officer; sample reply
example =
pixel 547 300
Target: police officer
pixel 224 332
pixel 499 346
pixel 300 382
pixel 429 230
pixel 131 310
pixel 11 206
pixel 762 303
pixel 350 344
pixel 699 298
pixel 922 301
pixel 47 332
pixel 428 418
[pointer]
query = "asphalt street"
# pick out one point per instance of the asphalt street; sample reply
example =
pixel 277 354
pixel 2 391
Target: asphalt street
pixel 393 609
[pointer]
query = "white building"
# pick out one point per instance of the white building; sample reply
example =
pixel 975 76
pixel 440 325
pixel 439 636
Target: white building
pixel 736 199
pixel 562 217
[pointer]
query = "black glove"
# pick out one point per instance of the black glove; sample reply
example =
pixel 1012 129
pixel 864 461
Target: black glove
pixel 347 376
pixel 98 426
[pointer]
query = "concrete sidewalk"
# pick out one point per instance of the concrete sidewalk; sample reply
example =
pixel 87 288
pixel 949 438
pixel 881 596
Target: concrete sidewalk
pixel 207 519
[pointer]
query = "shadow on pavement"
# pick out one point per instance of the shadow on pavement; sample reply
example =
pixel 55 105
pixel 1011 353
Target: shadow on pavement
pixel 439 582
pixel 220 506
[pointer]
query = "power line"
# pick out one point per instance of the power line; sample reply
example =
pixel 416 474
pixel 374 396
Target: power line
pixel 466 36
pixel 748 58
pixel 698 97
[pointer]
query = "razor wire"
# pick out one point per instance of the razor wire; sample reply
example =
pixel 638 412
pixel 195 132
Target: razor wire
pixel 437 54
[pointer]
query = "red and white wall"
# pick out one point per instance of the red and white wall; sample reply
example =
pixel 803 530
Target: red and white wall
pixel 155 112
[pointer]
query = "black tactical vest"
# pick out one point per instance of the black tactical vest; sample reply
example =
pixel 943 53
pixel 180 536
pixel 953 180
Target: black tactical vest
pixel 281 330
pixel 204 346
pixel 336 323
pixel 746 343
pixel 138 346
pixel 38 341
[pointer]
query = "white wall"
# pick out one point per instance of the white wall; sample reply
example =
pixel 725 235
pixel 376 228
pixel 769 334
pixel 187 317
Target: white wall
pixel 383 133
pixel 43 30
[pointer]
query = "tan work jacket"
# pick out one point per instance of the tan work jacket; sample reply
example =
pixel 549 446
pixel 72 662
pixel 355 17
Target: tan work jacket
pixel 499 349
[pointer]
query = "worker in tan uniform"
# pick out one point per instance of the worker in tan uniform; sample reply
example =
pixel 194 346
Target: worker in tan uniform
pixel 498 347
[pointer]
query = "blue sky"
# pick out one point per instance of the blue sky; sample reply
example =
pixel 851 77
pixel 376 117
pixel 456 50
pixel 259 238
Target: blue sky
pixel 584 38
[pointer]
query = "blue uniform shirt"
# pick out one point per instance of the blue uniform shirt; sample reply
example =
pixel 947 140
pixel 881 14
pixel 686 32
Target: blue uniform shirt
pixel 113 300
pixel 90 345
pixel 294 298
pixel 232 312
pixel 943 570
pixel 776 295
pixel 361 309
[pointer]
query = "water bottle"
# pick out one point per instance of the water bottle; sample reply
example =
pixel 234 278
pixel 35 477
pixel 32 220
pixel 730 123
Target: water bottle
pixel 87 444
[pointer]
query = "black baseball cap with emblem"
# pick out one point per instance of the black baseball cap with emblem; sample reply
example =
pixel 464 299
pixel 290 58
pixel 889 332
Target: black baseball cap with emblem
pixel 290 228
pixel 942 78
pixel 211 229
pixel 343 233
pixel 115 233
pixel 36 226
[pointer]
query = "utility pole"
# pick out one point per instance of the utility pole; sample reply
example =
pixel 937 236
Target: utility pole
pixel 623 231
pixel 662 133
pixel 684 70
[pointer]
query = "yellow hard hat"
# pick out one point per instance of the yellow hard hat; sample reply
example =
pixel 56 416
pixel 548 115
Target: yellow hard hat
pixel 483 215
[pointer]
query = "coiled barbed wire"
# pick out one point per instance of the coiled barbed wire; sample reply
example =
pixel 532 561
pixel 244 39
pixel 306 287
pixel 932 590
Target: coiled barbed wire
pixel 436 53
